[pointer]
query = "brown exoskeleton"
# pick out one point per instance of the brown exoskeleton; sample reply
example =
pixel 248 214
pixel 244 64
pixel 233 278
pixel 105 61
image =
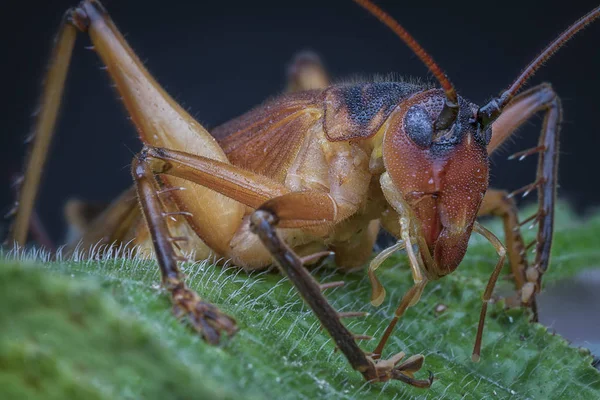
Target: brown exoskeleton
pixel 328 167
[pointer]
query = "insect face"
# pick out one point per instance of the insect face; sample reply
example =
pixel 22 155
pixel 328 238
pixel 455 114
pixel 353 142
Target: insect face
pixel 442 174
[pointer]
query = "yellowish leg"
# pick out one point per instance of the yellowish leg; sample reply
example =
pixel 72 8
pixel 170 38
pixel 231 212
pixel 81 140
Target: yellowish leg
pixel 43 129
pixel 161 121
pixel 497 203
pixel 308 209
pixel 489 289
pixel 407 230
pixel 263 224
pixel 204 317
pixel 410 298
pixel 377 289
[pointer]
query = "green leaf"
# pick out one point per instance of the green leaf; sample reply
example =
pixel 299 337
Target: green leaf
pixel 103 329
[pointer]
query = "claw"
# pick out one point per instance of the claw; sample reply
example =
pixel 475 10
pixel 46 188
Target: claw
pixel 391 369
pixel 204 317
pixel 412 365
pixel 419 383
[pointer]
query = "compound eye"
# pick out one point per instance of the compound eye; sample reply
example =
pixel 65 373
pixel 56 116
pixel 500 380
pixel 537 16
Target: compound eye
pixel 419 126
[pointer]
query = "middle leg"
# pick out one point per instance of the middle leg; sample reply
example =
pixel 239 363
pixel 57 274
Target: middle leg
pixel 498 203
pixel 263 224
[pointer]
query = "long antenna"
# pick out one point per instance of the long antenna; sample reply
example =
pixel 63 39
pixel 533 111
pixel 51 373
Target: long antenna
pixel 450 110
pixel 489 112
pixel 546 54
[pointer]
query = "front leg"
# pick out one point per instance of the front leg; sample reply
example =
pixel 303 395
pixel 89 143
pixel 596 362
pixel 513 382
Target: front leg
pixel 401 224
pixel 498 203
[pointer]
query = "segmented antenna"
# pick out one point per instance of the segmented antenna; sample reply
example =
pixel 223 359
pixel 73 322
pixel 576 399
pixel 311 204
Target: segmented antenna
pixel 489 112
pixel 450 110
pixel 546 54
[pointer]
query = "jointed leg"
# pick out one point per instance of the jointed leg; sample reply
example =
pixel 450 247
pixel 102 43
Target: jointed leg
pixel 489 289
pixel 406 230
pixel 308 210
pixel 521 108
pixel 43 129
pixel 263 223
pixel 159 120
pixel 377 289
pixel 204 317
pixel 410 298
pixel 243 186
pixel 402 226
pixel 498 203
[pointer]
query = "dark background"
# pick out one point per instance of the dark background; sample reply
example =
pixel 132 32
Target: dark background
pixel 222 58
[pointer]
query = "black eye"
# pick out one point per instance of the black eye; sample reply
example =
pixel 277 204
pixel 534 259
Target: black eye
pixel 419 126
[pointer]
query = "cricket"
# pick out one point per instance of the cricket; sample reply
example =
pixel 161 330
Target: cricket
pixel 314 173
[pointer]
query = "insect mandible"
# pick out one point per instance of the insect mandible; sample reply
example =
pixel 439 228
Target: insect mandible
pixel 317 170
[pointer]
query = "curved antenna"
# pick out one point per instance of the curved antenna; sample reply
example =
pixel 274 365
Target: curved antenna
pixel 450 111
pixel 547 53
pixel 488 113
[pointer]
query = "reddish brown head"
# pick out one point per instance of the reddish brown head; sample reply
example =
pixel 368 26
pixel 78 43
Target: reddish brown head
pixel 435 148
pixel 442 174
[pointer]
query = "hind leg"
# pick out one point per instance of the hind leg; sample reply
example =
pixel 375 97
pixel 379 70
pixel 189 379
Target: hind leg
pixel 159 120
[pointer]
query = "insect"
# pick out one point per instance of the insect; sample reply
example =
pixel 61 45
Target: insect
pixel 318 170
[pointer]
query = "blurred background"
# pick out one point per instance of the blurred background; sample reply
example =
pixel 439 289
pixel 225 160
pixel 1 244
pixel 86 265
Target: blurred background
pixel 220 59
